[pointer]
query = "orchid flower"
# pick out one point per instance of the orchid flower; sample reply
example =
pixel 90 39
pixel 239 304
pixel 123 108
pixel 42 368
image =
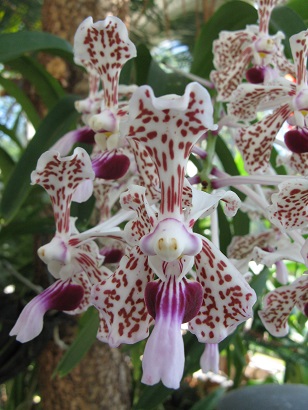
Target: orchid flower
pixel 162 245
pixel 268 248
pixel 288 210
pixel 103 48
pixel 284 97
pixel 279 303
pixel 235 51
pixel 73 259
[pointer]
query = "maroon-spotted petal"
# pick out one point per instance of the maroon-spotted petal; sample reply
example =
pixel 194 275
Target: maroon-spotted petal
pixel 120 300
pixel 110 165
pixel 227 297
pixel 60 177
pixel 60 296
pixel 278 304
pixel 297 141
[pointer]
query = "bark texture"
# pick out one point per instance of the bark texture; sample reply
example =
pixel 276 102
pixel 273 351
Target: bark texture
pixel 101 381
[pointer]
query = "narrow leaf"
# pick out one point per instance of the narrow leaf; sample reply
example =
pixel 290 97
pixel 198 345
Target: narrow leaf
pixel 6 164
pixel 13 45
pixel 12 89
pixel 46 86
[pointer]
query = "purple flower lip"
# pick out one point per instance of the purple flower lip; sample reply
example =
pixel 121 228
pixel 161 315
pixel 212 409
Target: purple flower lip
pixel 297 141
pixel 112 255
pixel 184 304
pixel 110 165
pixel 306 309
pixel 255 75
pixel 61 295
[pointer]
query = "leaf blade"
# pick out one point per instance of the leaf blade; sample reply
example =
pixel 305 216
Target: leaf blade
pixel 13 45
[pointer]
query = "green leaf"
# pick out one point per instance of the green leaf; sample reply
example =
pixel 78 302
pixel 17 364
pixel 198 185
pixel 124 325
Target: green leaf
pixel 286 20
pixel 14 45
pixel 241 220
pixel 30 226
pixel 47 87
pixel 225 234
pixel 258 282
pixel 152 396
pixel 82 343
pixel 54 126
pixel 12 89
pixel 165 83
pixel 142 64
pixel 234 15
pixel 6 164
pixel 226 157
pixel 210 401
pixel 300 7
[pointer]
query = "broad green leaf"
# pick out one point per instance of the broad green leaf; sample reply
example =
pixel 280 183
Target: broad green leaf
pixel 286 20
pixel 126 75
pixel 165 83
pixel 83 211
pixel 225 234
pixel 54 126
pixel 29 226
pixel 6 164
pixel 210 401
pixel 142 64
pixel 234 15
pixel 46 86
pixel 258 282
pixel 12 89
pixel 152 396
pixel 241 220
pixel 81 344
pixel 14 45
pixel 226 157
pixel 279 169
pixel 300 7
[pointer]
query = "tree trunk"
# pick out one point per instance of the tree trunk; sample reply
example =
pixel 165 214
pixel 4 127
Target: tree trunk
pixel 101 381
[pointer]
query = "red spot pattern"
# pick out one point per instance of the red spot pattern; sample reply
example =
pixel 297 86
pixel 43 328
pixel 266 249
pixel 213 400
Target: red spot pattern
pixel 123 306
pixel 168 136
pixel 104 48
pixel 60 177
pixel 242 246
pixel 255 142
pixel 227 299
pixel 279 303
pixel 289 209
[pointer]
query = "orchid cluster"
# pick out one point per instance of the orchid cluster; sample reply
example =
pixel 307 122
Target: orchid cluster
pixel 157 273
